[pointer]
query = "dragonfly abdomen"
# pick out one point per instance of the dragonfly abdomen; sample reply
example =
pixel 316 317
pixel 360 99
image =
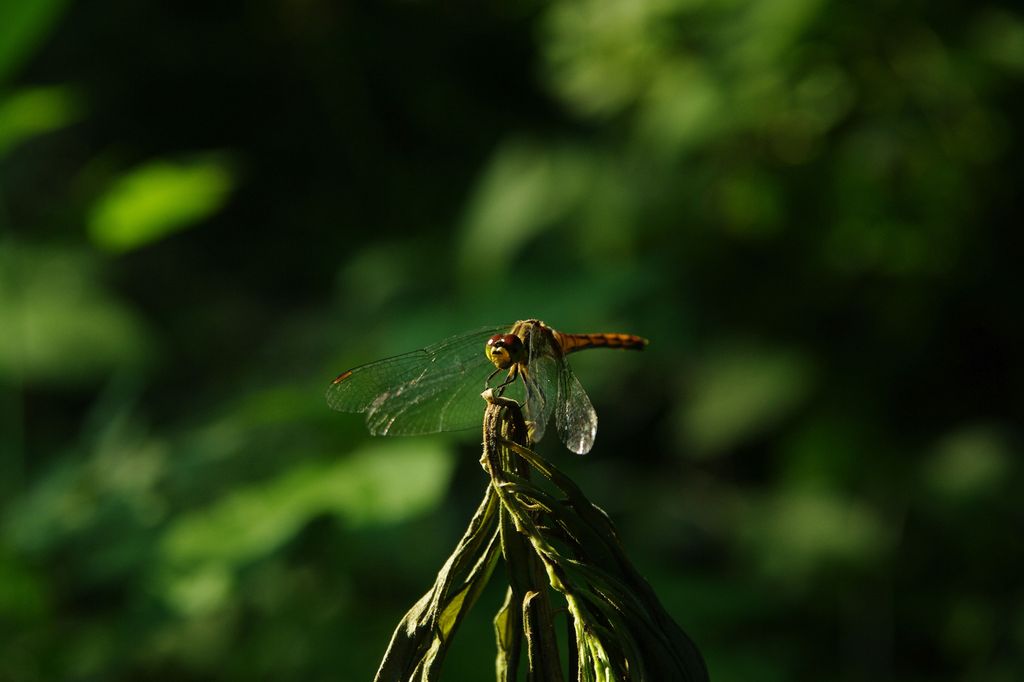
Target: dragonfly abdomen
pixel 571 343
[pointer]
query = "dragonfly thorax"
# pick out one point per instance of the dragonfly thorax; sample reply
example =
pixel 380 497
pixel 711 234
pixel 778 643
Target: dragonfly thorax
pixel 504 350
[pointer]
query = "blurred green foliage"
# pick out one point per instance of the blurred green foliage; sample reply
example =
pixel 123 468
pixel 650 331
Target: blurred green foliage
pixel 157 199
pixel 207 211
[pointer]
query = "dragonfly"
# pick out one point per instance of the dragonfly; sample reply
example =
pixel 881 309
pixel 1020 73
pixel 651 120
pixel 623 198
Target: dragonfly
pixel 438 388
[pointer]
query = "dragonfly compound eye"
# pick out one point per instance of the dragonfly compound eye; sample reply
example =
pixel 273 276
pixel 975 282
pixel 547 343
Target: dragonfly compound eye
pixel 503 350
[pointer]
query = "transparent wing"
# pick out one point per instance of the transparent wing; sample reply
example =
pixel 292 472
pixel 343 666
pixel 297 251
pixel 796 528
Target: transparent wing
pixel 433 389
pixel 540 378
pixel 574 413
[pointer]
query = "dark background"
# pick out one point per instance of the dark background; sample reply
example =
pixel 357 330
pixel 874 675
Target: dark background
pixel 208 210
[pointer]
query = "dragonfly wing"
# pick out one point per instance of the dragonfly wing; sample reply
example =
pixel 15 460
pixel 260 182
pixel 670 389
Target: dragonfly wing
pixel 425 391
pixel 574 415
pixel 540 379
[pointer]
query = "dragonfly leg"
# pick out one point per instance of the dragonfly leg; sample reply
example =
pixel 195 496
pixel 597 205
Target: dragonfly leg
pixel 531 425
pixel 512 374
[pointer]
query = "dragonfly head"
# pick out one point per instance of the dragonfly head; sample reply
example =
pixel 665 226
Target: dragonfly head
pixel 504 350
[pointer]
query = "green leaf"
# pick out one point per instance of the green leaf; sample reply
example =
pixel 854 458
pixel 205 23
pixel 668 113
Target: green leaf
pixel 23 25
pixel 740 391
pixel 794 534
pixel 508 633
pixel 969 463
pixel 254 520
pixel 58 325
pixel 420 642
pixel 524 192
pixel 158 199
pixel 540 637
pixel 33 111
pixel 622 631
